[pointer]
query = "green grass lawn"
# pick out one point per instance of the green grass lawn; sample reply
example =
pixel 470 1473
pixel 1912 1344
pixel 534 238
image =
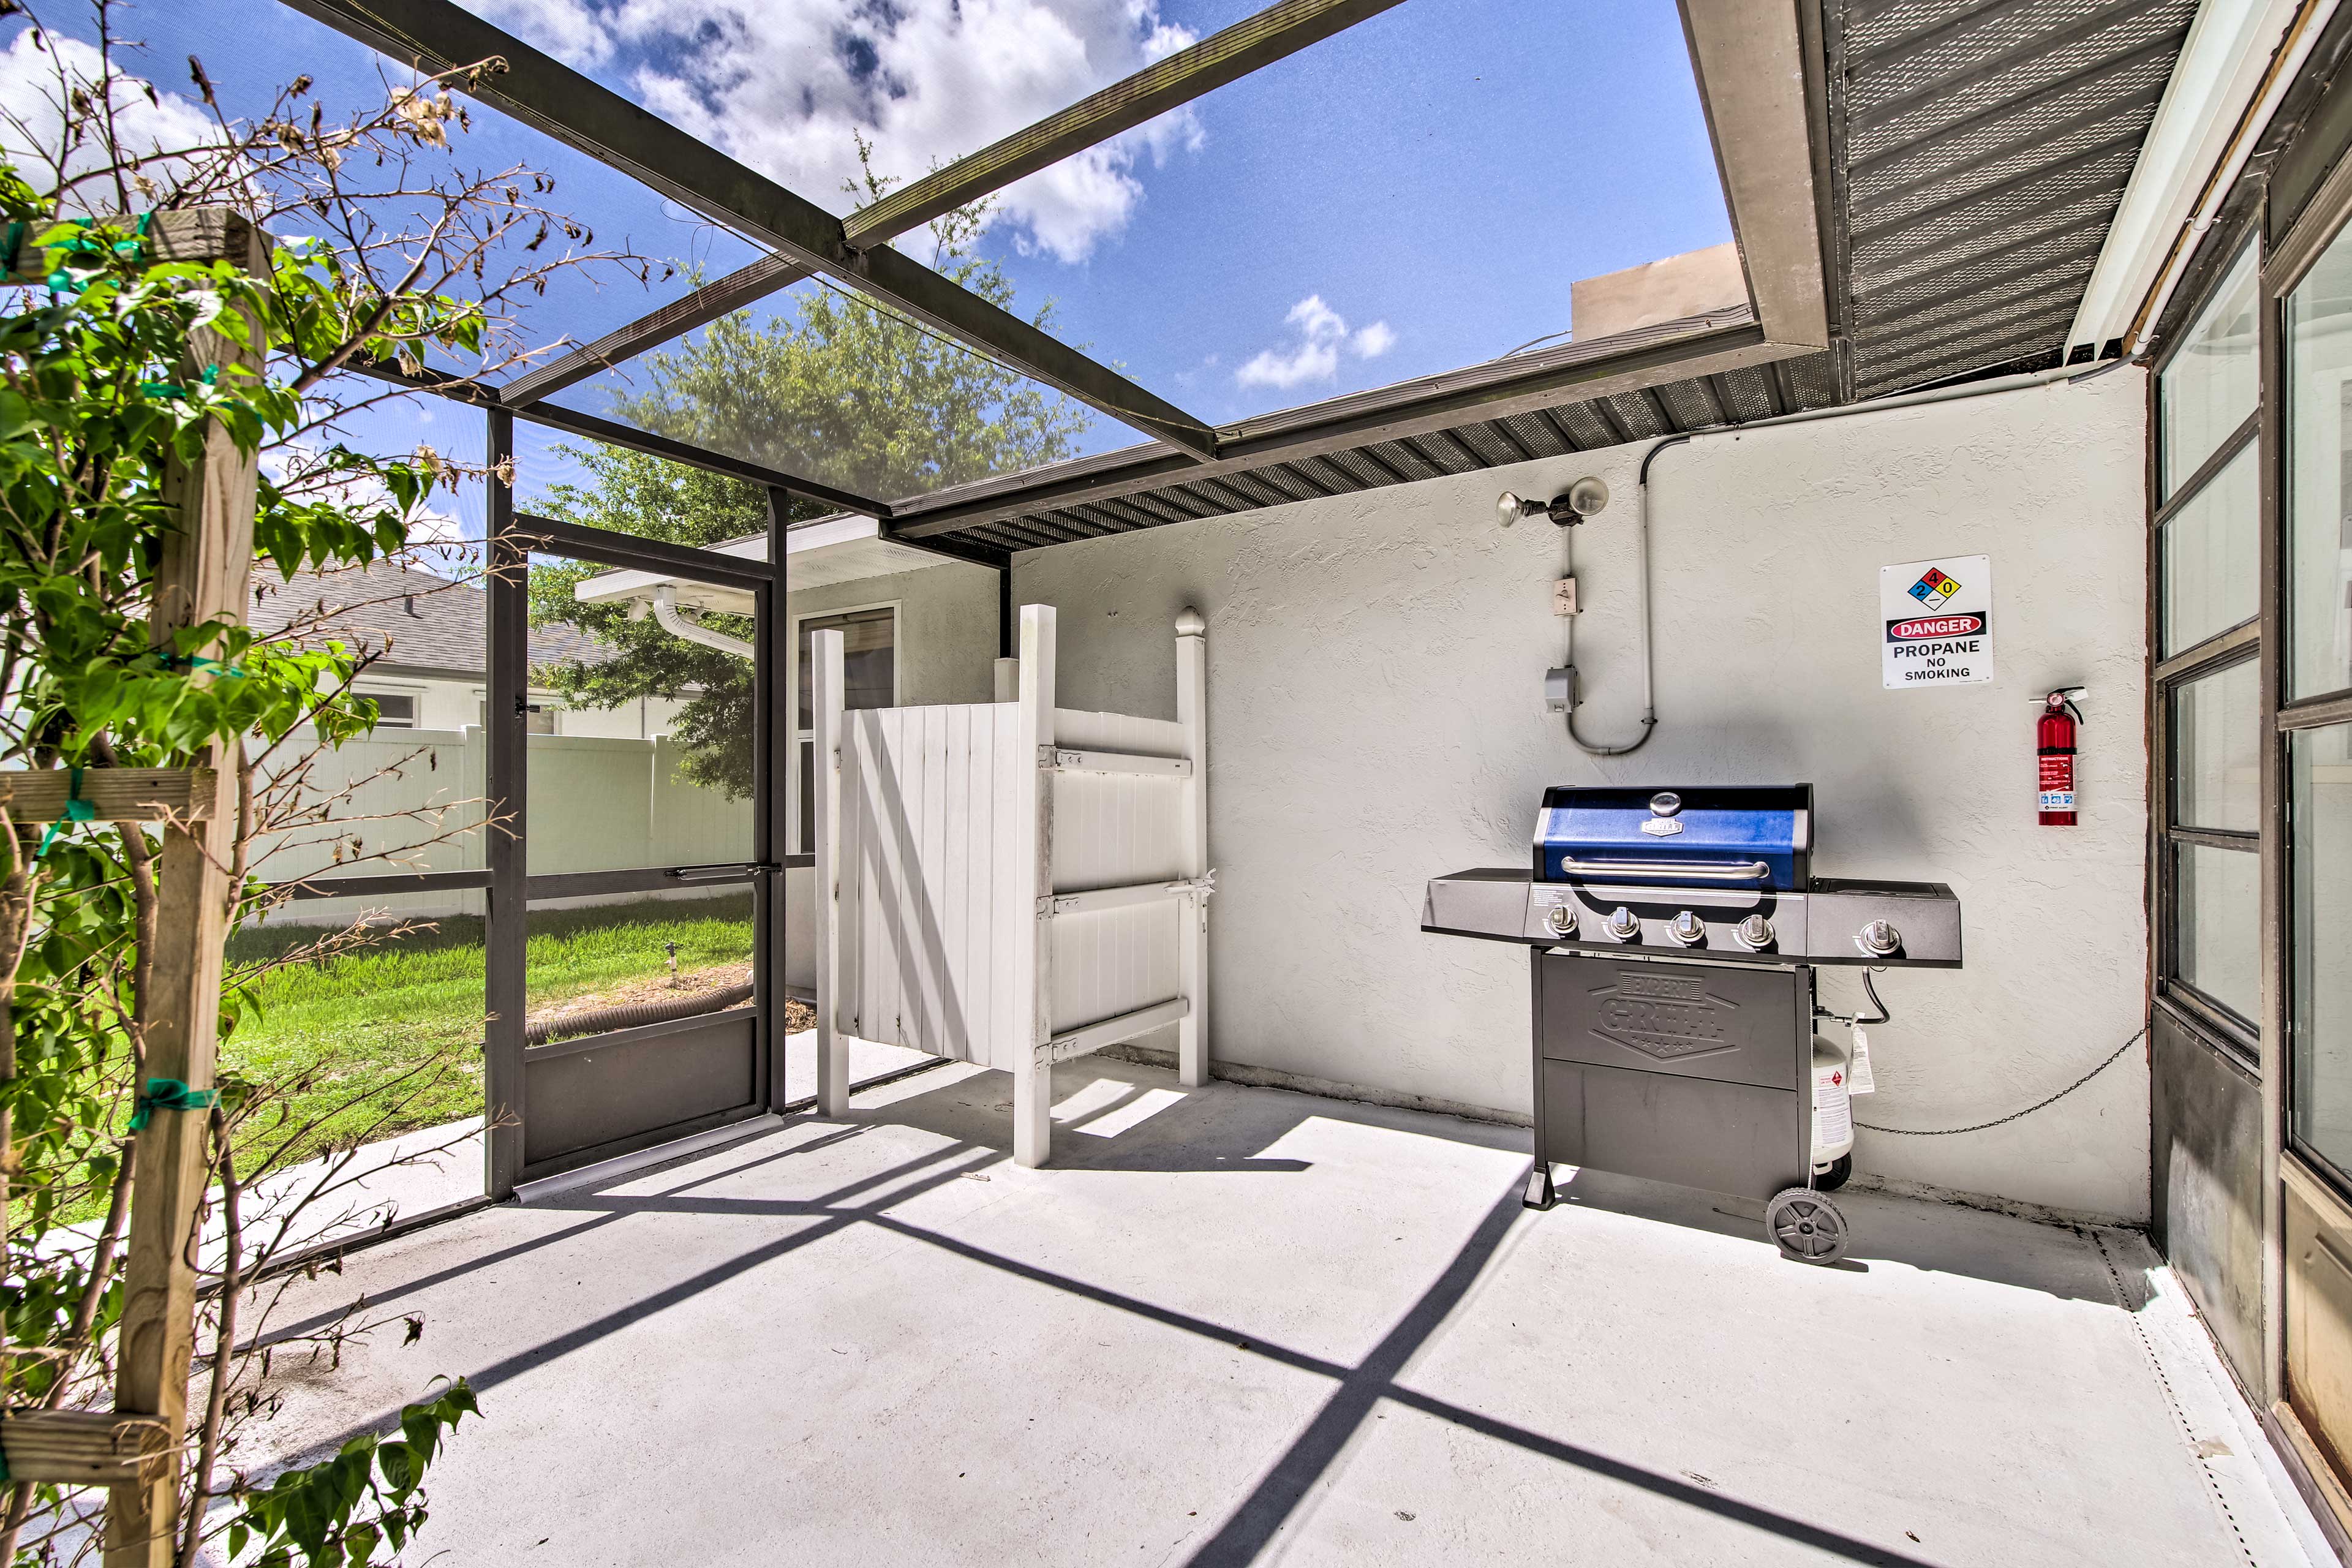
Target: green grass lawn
pixel 356 1024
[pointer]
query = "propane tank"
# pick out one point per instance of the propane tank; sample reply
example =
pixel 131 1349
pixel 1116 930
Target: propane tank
pixel 1832 1105
pixel 2053 744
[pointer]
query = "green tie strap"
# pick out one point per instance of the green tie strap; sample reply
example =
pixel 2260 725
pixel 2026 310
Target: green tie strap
pixel 174 389
pixel 193 662
pixel 77 810
pixel 61 281
pixel 170 1094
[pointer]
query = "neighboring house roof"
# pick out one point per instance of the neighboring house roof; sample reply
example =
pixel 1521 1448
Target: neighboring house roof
pixel 418 621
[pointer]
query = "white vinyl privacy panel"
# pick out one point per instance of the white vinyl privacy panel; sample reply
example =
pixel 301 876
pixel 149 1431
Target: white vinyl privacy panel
pixel 1109 962
pixel 1113 830
pixel 1010 884
pixel 927 879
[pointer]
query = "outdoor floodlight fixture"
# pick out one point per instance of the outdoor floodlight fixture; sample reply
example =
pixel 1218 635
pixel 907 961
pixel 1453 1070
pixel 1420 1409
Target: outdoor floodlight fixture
pixel 1580 500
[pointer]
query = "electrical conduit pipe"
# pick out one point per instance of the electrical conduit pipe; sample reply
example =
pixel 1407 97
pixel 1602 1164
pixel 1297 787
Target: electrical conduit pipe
pixel 2060 375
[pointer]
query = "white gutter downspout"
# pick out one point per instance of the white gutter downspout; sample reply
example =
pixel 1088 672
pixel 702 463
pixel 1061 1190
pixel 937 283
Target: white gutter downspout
pixel 666 615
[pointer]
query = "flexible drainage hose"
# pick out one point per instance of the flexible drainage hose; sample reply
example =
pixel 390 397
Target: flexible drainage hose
pixel 631 1014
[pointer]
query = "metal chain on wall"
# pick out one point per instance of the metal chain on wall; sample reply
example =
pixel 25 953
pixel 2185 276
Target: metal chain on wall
pixel 2137 1036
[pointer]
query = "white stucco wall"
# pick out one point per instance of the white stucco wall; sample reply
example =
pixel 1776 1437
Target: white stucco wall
pixel 1376 718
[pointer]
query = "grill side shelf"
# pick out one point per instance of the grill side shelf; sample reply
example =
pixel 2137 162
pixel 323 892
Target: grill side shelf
pixel 1489 902
pixel 1924 915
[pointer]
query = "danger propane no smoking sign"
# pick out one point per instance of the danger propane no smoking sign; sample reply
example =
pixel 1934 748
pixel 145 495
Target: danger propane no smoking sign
pixel 1938 621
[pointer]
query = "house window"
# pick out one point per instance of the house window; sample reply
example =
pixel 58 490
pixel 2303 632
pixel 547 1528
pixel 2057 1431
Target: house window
pixel 394 710
pixel 869 672
pixel 2317 567
pixel 2208 688
pixel 2319 476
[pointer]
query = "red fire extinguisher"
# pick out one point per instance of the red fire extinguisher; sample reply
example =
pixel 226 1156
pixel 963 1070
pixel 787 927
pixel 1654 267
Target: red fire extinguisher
pixel 2053 740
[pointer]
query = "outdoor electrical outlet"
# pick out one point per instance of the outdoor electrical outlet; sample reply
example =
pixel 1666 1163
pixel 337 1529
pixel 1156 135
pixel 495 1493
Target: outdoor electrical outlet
pixel 1563 596
pixel 1559 690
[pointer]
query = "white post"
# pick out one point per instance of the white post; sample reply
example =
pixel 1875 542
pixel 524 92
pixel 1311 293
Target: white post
pixel 1193 950
pixel 1008 680
pixel 1033 863
pixel 831 1048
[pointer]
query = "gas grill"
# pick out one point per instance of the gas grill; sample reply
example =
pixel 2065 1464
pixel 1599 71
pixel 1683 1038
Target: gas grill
pixel 1674 934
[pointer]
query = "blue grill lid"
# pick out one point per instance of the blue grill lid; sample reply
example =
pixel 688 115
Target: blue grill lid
pixel 1673 837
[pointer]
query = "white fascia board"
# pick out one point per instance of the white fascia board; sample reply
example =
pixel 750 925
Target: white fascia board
pixel 615 587
pixel 847 529
pixel 834 550
pixel 2222 64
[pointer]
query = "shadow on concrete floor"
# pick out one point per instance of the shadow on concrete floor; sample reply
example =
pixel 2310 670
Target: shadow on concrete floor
pixel 1249 1529
pixel 1116 1120
pixel 1225 1127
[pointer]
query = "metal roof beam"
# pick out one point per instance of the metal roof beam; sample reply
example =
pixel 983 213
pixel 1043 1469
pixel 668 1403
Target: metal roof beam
pixel 571 421
pixel 1224 57
pixel 722 297
pixel 1578 373
pixel 1749 62
pixel 972 554
pixel 438 37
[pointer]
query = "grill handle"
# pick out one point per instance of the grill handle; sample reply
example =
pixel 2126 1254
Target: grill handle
pixel 1702 870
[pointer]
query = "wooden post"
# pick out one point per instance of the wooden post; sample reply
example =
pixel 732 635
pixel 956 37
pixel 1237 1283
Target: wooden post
pixel 1031 970
pixel 204 574
pixel 1193 945
pixel 826 701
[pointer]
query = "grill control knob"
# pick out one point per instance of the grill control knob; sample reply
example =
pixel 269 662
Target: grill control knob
pixel 1688 929
pixel 1879 939
pixel 1754 934
pixel 1622 924
pixel 1561 919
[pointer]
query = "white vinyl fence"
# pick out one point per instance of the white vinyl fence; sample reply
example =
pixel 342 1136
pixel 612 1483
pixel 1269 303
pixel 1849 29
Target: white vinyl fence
pixel 595 804
pixel 1012 884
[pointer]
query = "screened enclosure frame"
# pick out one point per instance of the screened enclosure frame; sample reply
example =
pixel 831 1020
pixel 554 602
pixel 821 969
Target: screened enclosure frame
pixel 1759 88
pixel 506 880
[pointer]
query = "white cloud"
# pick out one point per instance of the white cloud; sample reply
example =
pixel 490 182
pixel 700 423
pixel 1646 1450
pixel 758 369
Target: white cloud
pixel 1315 356
pixel 787 86
pixel 567 29
pixel 32 122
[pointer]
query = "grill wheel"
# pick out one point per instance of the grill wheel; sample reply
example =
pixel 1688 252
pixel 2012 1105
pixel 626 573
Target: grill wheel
pixel 1806 1225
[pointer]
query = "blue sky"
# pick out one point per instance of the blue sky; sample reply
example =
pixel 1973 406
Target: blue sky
pixel 1414 195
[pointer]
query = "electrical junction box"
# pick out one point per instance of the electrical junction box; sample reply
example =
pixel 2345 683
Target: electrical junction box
pixel 1563 596
pixel 1559 690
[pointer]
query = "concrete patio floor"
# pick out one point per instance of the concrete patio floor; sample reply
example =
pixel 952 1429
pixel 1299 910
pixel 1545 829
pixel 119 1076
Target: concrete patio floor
pixel 1238 1325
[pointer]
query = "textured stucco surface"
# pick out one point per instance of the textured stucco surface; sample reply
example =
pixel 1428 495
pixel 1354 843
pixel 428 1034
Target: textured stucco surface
pixel 1376 718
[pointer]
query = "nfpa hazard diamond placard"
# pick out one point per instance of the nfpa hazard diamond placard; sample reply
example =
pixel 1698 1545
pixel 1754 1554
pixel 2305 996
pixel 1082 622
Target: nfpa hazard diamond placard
pixel 1937 621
